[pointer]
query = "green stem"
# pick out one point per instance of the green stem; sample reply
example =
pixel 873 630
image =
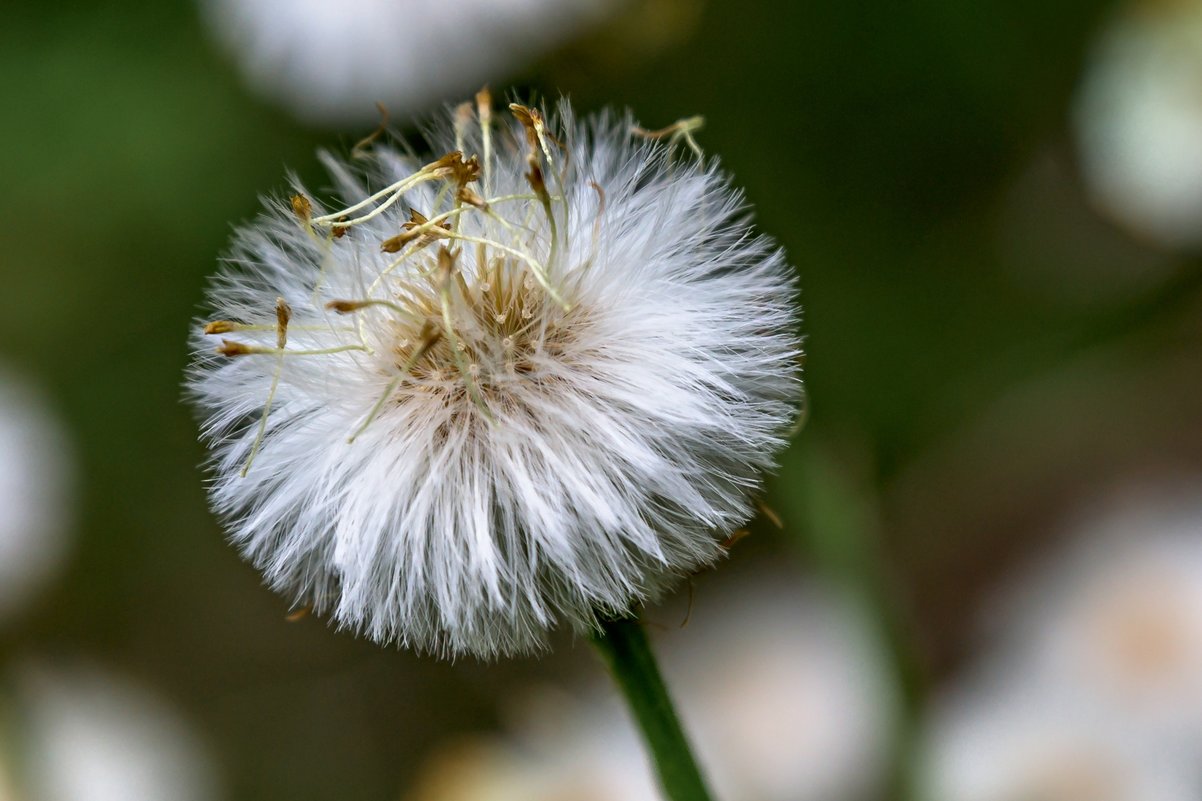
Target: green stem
pixel 624 647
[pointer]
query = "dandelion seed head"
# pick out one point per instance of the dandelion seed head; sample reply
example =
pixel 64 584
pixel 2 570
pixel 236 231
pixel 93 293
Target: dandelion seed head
pixel 486 420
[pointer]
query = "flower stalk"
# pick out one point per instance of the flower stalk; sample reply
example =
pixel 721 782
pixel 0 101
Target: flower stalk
pixel 624 646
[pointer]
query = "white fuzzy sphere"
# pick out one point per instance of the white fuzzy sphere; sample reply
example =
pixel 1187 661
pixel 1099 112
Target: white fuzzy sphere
pixel 557 408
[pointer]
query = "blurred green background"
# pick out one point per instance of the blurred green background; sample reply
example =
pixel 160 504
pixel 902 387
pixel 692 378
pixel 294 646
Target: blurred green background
pixel 982 347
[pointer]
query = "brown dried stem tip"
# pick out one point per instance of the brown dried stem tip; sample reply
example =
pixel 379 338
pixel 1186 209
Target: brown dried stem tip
pixel 681 129
pixel 359 151
pixel 231 348
pixel 347 306
pixel 283 313
pixel 415 228
pixel 453 166
pixel 302 208
pixel 221 327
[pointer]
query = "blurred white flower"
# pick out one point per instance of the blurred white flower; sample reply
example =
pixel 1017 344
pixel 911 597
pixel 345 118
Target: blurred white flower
pixel 1113 620
pixel 781 688
pixel 1004 737
pixel 36 474
pixel 1090 687
pixel 332 62
pixel 534 381
pixel 84 735
pixel 1138 120
pixel 8 790
pixel 604 764
pixel 786 691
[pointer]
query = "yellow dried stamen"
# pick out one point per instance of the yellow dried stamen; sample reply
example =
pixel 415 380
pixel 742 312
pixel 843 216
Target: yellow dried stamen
pixel 417 227
pixel 540 272
pixel 534 126
pixel 453 166
pixel 463 118
pixel 346 306
pixel 439 169
pixel 302 207
pixel 432 290
pixel 734 538
pixel 352 306
pixel 230 348
pixel 283 314
pixel 221 327
pixel 359 151
pixel 471 198
pixel 453 234
pixel 681 129
pixel 297 615
pixel 535 177
pixel 235 349
pixel 525 116
pixel 770 513
pixel 228 326
pixel 600 213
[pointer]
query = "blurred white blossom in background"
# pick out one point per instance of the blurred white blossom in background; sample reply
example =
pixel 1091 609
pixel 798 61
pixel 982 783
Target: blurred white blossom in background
pixel 1090 687
pixel 36 477
pixel 786 691
pixel 1138 121
pixel 1115 617
pixel 332 62
pixel 603 763
pixel 86 735
pixel 8 791
pixel 1000 736
pixel 793 705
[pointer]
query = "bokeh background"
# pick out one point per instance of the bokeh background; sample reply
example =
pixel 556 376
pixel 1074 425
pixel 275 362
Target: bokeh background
pixel 1003 322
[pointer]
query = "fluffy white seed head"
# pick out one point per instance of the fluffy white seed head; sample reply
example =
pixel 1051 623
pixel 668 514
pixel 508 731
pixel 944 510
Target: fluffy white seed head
pixel 529 382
